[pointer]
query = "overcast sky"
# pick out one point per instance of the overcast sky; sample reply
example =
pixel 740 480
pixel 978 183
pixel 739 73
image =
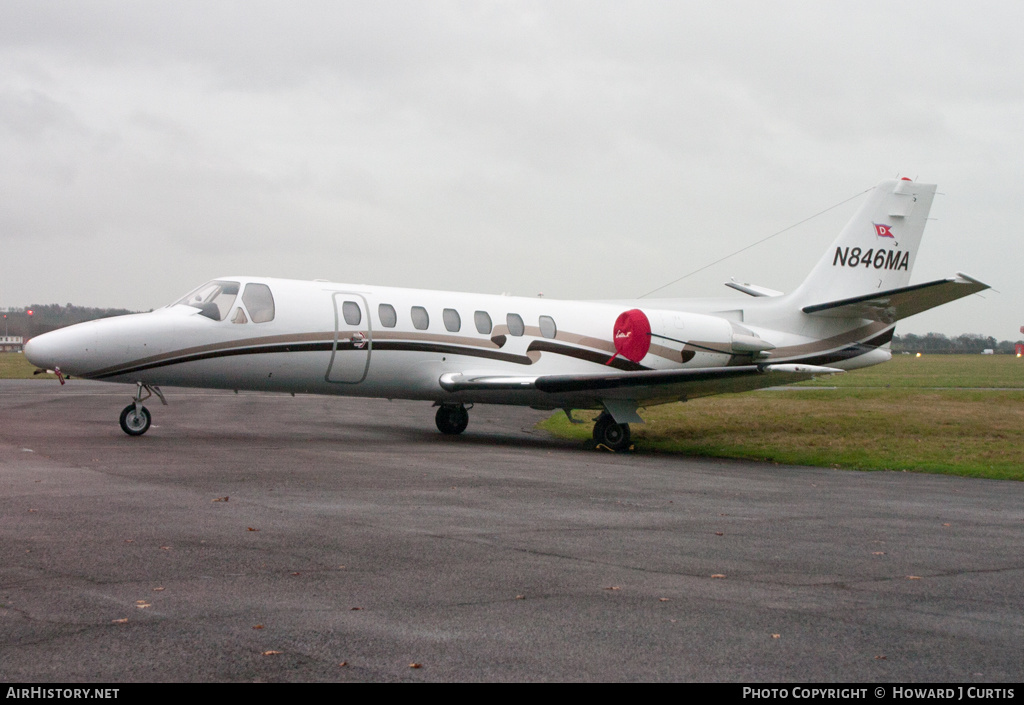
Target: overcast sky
pixel 580 149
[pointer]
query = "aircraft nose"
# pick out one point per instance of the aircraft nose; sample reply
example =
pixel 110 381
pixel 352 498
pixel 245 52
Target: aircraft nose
pixel 66 348
pixel 86 347
pixel 40 352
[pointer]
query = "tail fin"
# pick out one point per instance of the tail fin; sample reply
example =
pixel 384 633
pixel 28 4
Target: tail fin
pixel 877 248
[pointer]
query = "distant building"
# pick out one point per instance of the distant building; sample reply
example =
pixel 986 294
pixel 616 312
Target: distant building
pixel 11 343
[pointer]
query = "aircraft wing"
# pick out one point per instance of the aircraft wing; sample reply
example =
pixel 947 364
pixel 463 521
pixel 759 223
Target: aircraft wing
pixel 894 304
pixel 645 385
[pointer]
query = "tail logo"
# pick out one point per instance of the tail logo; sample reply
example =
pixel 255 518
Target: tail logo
pixel 883 230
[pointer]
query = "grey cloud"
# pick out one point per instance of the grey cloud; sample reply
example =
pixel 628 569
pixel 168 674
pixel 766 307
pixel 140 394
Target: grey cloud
pixel 622 143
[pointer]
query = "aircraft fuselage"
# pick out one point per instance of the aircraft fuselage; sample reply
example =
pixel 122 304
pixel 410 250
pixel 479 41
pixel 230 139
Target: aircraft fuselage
pixel 454 349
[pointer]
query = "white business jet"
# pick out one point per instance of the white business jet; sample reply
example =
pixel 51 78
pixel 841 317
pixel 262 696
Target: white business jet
pixel 458 349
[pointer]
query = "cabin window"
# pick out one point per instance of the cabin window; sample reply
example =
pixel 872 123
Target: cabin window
pixel 239 316
pixel 547 327
pixel 452 320
pixel 483 322
pixel 259 301
pixel 420 318
pixel 350 310
pixel 387 315
pixel 213 299
pixel 515 324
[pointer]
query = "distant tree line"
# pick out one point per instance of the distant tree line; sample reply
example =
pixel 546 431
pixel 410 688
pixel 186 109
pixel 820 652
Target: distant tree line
pixel 966 344
pixel 38 319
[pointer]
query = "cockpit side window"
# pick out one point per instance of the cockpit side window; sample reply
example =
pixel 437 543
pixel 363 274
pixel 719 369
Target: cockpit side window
pixel 213 299
pixel 259 301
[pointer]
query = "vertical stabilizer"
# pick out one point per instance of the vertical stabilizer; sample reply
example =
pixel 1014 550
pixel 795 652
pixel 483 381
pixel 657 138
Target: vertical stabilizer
pixel 877 248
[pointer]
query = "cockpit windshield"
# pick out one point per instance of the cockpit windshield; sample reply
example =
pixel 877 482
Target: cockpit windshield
pixel 213 299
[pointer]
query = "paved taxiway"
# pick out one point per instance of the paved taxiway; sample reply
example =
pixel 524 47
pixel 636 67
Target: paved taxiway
pixel 353 532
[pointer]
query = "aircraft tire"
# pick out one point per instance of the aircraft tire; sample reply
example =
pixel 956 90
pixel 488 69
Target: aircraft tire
pixel 608 433
pixel 451 420
pixel 135 424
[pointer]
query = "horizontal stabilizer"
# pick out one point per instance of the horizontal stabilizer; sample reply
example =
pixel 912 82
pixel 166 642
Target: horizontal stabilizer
pixel 752 289
pixel 895 304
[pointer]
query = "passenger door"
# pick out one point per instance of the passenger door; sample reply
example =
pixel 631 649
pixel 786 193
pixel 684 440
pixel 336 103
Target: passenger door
pixel 353 339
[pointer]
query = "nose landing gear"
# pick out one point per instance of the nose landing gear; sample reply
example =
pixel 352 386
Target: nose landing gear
pixel 135 418
pixel 135 421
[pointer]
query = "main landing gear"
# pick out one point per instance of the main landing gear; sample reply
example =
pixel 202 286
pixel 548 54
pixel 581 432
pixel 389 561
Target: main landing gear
pixel 135 418
pixel 614 436
pixel 452 419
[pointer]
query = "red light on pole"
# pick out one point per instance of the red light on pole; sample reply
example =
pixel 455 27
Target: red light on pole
pixel 30 312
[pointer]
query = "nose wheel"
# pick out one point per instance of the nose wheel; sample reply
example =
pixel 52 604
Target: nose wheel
pixel 451 419
pixel 135 419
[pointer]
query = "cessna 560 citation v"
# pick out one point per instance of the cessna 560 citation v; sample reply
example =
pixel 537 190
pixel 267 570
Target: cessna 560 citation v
pixel 457 349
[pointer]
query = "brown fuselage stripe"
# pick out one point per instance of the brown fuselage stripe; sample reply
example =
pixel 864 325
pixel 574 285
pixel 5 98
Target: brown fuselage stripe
pixel 175 356
pixel 857 336
pixel 850 351
pixel 299 345
pixel 214 352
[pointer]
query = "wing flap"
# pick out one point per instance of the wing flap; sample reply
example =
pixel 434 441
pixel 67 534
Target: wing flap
pixel 895 304
pixel 642 385
pixel 711 380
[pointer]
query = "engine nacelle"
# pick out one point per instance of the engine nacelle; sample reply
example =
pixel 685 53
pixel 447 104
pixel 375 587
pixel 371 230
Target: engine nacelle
pixel 665 339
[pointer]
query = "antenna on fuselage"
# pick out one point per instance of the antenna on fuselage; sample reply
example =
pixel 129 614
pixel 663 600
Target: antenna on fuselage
pixel 755 244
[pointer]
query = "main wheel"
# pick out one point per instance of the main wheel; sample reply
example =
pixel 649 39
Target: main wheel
pixel 133 422
pixel 611 434
pixel 451 420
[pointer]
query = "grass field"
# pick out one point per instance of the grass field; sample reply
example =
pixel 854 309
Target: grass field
pixel 961 415
pixel 958 371
pixel 15 366
pixel 956 414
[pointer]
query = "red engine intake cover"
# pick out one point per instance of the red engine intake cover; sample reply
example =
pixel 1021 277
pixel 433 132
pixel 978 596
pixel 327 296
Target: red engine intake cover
pixel 632 335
